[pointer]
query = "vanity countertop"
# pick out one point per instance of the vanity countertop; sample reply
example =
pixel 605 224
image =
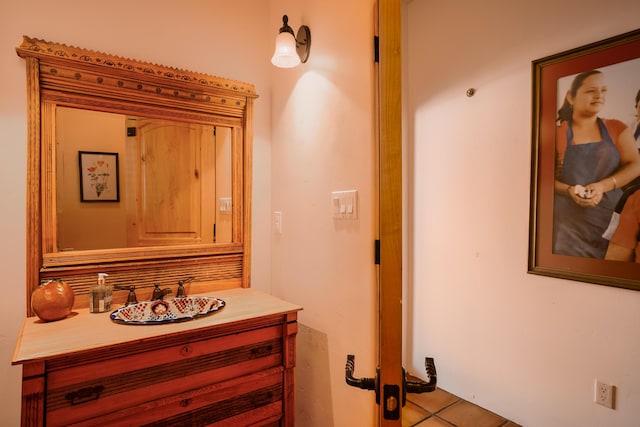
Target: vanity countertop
pixel 83 330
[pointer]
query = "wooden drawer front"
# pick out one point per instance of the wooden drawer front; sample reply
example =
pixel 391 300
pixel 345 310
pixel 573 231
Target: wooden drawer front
pixel 91 390
pixel 254 399
pixel 264 400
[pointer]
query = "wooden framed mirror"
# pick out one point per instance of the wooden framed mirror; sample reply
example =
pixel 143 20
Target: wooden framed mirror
pixel 81 101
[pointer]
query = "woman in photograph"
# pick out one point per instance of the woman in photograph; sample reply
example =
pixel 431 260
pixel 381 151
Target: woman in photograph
pixel 594 158
pixel 625 242
pixel 632 186
pixel 635 126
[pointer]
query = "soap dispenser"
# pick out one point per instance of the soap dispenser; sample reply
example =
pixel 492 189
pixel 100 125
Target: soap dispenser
pixel 100 297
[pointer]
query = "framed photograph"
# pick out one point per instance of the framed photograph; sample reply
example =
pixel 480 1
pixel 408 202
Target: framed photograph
pixel 99 180
pixel 584 163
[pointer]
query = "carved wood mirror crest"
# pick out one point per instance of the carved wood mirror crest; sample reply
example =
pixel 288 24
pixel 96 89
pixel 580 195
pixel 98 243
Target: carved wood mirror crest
pixel 64 77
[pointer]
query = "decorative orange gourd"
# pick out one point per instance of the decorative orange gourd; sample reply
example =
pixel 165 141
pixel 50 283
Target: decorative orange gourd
pixel 52 300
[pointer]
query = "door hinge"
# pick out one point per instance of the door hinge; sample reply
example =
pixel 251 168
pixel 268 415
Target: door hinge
pixel 376 49
pixel 376 254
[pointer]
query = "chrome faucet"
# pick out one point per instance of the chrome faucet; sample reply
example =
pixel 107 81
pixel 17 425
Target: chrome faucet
pixel 159 293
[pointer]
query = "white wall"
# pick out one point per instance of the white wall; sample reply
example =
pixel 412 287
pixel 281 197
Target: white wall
pixel 527 347
pixel 228 38
pixel 322 141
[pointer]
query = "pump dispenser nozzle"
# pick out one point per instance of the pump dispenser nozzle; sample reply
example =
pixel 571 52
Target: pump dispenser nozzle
pixel 102 278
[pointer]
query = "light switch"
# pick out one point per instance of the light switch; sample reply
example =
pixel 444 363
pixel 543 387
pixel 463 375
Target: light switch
pixel 344 204
pixel 335 201
pixel 277 222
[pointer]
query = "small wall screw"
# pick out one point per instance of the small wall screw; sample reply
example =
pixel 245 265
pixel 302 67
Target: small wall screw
pixel 471 92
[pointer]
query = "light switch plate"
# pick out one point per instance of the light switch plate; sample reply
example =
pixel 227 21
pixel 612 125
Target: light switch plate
pixel 277 222
pixel 344 204
pixel 225 205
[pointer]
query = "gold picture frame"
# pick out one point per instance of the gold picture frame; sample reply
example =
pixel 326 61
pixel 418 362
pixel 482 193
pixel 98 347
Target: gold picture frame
pixel 619 57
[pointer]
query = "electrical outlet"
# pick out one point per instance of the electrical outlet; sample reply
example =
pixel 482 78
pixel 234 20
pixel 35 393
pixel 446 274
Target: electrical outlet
pixel 604 394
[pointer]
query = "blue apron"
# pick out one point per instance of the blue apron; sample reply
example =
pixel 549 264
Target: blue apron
pixel 577 231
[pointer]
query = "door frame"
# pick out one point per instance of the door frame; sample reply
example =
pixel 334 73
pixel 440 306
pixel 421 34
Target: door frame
pixel 389 133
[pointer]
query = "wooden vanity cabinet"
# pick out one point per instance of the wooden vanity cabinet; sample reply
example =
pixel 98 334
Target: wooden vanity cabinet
pixel 229 373
pixel 231 368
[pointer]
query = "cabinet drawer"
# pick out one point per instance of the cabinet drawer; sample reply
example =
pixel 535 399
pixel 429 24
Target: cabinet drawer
pixel 254 399
pixel 89 390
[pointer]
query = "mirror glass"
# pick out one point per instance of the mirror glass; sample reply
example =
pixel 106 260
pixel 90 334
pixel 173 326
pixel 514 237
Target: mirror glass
pixel 125 181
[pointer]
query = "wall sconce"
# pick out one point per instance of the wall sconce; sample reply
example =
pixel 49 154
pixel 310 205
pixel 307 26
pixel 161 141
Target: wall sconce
pixel 290 50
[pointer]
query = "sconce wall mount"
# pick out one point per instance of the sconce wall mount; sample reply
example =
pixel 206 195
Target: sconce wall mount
pixel 291 50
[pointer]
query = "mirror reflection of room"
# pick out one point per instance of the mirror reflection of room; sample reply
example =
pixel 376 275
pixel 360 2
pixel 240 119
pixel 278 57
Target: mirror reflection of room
pixel 173 181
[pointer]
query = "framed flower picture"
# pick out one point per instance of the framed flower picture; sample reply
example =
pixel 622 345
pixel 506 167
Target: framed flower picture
pixel 99 180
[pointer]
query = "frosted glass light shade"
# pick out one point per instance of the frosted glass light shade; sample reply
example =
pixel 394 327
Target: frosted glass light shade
pixel 285 55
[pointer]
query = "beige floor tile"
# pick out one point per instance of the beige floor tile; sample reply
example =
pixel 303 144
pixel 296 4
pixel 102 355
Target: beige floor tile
pixel 433 401
pixel 412 414
pixel 466 414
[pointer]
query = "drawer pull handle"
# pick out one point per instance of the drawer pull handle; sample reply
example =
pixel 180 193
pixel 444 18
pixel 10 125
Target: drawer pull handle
pixel 186 402
pixel 261 351
pixel 186 350
pixel 83 395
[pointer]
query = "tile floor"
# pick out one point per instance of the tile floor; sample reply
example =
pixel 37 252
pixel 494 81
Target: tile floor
pixel 443 409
